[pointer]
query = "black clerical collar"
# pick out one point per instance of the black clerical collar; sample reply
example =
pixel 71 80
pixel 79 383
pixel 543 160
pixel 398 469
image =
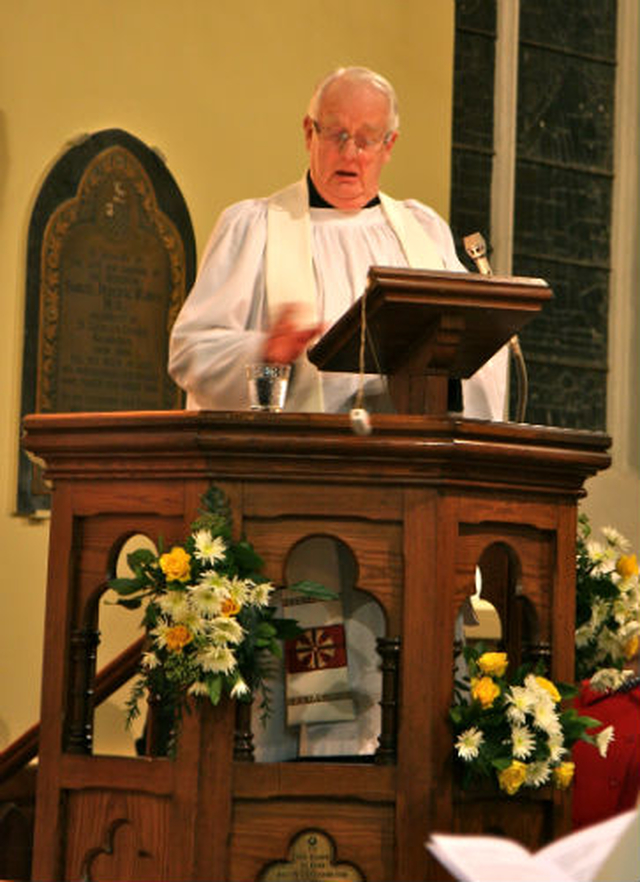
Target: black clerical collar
pixel 317 201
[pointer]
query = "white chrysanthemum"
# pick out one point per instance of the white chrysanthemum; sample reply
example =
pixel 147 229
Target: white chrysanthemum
pixel 599 613
pixel 208 548
pixel 538 774
pixel 628 630
pixel 240 688
pixel 523 742
pixel 213 580
pixel 198 688
pixel 615 538
pixel 468 743
pixel 217 660
pixel 609 644
pixel 584 634
pixel 519 702
pixel 609 678
pixel 150 660
pixel 604 739
pixel 239 590
pixel 556 748
pixel 226 629
pixel 161 631
pixel 189 617
pixel 534 689
pixel 261 594
pixel 545 718
pixel 173 604
pixel 207 601
pixel 595 550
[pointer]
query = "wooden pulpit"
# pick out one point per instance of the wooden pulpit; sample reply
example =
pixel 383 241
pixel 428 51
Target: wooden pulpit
pixel 420 503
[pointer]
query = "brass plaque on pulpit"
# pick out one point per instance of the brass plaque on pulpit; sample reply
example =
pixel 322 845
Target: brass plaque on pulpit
pixel 311 858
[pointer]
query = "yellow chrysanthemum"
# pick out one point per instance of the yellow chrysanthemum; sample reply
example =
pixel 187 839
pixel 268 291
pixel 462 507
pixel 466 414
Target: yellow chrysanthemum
pixel 493 663
pixel 512 778
pixel 627 565
pixel 177 638
pixel 484 690
pixel 549 687
pixel 176 565
pixel 563 775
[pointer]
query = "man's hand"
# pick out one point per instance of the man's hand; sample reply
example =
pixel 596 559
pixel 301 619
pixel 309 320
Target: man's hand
pixel 287 340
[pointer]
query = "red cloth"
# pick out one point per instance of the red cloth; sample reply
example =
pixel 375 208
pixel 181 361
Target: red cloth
pixel 604 786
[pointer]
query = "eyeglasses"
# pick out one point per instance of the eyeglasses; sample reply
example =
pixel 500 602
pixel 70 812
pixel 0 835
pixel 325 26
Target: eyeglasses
pixel 340 138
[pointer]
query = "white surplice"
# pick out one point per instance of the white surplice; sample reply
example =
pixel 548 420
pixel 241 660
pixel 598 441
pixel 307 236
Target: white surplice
pixel 222 324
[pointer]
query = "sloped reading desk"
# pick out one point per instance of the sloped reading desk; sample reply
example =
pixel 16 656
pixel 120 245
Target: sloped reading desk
pixel 422 327
pixel 421 502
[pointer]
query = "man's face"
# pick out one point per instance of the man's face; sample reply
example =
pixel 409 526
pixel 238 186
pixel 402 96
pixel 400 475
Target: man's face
pixel 348 177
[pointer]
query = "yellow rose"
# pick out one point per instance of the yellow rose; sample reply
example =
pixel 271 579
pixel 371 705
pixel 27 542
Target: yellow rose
pixel 484 690
pixel 493 663
pixel 627 565
pixel 230 607
pixel 177 638
pixel 176 565
pixel 631 647
pixel 563 775
pixel 549 686
pixel 512 778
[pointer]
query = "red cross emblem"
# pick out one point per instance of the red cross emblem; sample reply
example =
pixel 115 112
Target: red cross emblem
pixel 316 649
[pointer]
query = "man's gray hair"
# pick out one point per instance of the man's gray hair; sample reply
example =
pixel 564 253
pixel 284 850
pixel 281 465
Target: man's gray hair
pixel 357 75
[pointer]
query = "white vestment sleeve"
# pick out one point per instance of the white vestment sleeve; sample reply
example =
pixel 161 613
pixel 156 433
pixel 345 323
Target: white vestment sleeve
pixel 211 341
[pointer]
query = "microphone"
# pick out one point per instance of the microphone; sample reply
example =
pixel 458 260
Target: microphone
pixel 476 248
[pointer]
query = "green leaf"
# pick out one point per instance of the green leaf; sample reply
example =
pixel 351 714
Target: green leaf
pixel 127 586
pixel 141 557
pixel 309 588
pixel 133 603
pixel 247 561
pixel 501 763
pixel 215 688
pixel 265 630
pixel 287 629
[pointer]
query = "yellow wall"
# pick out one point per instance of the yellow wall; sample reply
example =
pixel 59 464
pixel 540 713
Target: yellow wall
pixel 220 88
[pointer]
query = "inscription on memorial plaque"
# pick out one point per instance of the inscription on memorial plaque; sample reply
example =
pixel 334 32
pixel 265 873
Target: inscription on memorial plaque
pixel 111 256
pixel 112 282
pixel 311 858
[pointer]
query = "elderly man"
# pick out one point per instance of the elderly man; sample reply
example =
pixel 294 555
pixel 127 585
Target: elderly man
pixel 275 272
pixel 279 269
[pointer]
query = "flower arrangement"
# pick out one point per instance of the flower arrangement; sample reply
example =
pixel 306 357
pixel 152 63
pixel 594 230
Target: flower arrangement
pixel 607 608
pixel 513 731
pixel 210 628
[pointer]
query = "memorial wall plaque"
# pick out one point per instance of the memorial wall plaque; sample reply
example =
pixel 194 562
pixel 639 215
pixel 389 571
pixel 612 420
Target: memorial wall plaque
pixel 111 258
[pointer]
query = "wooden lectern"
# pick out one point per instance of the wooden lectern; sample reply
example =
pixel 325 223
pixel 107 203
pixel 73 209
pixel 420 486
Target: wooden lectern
pixel 420 503
pixel 422 327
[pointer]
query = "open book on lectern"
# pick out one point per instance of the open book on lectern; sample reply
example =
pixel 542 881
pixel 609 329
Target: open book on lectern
pixel 456 320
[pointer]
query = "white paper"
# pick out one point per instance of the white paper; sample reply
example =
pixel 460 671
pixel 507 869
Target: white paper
pixel 578 857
